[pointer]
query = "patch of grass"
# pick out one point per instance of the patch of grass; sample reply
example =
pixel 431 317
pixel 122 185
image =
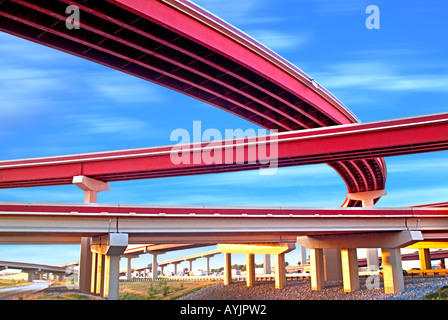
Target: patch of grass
pixel 6 283
pixel 62 296
pixel 441 294
pixel 159 290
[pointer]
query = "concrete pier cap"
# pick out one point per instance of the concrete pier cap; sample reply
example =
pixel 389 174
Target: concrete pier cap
pixel 111 244
pixel 389 239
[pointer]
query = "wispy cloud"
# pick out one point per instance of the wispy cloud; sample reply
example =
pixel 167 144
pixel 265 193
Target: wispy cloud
pixel 280 41
pixel 380 76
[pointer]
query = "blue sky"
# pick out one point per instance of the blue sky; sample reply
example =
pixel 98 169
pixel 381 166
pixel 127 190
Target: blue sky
pixel 55 104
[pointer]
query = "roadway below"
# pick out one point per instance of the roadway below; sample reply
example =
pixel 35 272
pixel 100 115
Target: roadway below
pixel 14 292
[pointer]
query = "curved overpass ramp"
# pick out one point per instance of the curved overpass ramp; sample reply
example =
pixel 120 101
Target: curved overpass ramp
pixel 177 44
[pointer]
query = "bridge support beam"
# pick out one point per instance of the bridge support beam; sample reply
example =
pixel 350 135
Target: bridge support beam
pixel 350 274
pixel 368 200
pixel 91 187
pixel 280 270
pixel 278 249
pixel 391 241
pixel 155 267
pixel 250 269
pixel 392 270
pixel 129 265
pixel 303 255
pixel 227 268
pixel 267 264
pixel 107 251
pixel 425 259
pixel 85 264
pixel 317 271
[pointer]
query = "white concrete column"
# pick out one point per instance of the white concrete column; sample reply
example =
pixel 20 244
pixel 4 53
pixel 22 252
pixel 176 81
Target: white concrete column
pixel 317 269
pixel 155 267
pixel 250 269
pixel 227 268
pixel 267 264
pixel 392 270
pixel 303 255
pixel 350 273
pixel 175 268
pixel 129 269
pixel 372 258
pixel 208 265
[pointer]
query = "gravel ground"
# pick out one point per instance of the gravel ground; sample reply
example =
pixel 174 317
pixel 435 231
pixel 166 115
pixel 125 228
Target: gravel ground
pixel 415 288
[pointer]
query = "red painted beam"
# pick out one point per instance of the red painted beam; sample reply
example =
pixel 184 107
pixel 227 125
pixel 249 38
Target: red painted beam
pixel 177 211
pixel 324 145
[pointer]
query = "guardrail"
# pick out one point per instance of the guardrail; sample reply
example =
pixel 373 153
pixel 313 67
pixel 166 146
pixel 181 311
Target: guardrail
pixel 429 272
pixel 264 277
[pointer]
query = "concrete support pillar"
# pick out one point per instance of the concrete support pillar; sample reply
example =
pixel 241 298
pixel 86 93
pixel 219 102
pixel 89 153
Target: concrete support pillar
pixel 392 270
pixel 368 200
pixel 91 187
pixel 85 265
pixel 280 271
pixel 332 264
pixel 111 276
pixel 372 258
pixel 208 266
pixel 227 269
pixel 191 266
pixel 175 268
pixel 129 269
pixel 425 259
pixel 93 272
pixel 31 275
pixel 350 274
pixel 267 264
pixel 317 269
pixel 155 267
pixel 303 255
pixel 250 269
pixel 107 250
pixel 99 274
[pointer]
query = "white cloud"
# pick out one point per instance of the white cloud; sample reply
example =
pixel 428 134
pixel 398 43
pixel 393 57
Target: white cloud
pixel 279 40
pixel 380 76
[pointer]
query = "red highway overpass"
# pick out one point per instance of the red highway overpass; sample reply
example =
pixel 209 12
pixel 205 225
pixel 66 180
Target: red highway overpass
pixel 209 60
pixel 354 142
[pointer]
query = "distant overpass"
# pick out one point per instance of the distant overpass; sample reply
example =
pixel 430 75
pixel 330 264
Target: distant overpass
pixel 32 268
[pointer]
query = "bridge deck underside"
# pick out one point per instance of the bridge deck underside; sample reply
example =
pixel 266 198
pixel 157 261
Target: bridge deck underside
pixel 134 44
